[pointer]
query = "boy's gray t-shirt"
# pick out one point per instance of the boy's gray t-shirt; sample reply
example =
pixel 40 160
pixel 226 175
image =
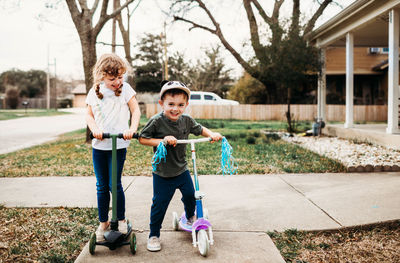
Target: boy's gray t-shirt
pixel 160 126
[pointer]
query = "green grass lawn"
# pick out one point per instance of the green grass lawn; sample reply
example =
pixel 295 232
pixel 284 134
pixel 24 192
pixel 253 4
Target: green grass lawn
pixel 253 151
pixel 20 113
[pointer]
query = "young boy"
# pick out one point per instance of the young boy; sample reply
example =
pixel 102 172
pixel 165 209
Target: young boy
pixel 169 126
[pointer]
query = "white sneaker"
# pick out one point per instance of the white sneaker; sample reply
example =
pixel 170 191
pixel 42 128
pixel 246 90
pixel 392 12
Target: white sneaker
pixel 123 226
pixel 191 220
pixel 153 244
pixel 100 234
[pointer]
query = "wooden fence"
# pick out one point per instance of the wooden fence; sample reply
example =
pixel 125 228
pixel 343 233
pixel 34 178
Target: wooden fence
pixel 277 112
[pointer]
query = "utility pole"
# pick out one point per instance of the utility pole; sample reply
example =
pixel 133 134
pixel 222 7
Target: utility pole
pixel 164 42
pixel 55 84
pixel 48 80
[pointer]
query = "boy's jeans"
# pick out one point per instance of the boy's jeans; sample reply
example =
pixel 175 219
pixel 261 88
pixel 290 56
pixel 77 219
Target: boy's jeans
pixel 103 170
pixel 163 191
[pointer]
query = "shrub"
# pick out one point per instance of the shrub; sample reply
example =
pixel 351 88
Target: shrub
pixel 251 140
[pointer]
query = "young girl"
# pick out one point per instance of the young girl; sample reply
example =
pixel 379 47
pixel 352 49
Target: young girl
pixel 110 102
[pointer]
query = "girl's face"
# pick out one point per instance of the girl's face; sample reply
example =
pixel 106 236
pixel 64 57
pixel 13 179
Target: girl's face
pixel 173 106
pixel 113 82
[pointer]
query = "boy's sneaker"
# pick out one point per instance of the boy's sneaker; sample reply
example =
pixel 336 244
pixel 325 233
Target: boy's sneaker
pixel 191 220
pixel 123 226
pixel 100 234
pixel 153 244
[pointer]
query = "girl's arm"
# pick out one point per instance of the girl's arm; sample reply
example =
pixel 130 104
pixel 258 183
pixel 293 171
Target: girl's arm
pixel 215 136
pixel 97 133
pixel 135 118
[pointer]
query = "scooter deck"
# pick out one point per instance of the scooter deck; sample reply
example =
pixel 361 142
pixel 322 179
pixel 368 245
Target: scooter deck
pixel 115 239
pixel 200 223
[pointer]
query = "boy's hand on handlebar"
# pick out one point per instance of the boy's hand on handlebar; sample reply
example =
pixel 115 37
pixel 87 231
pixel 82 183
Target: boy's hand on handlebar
pixel 128 134
pixel 215 136
pixel 170 140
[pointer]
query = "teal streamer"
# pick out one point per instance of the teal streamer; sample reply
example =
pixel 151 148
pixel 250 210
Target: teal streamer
pixel 159 155
pixel 228 164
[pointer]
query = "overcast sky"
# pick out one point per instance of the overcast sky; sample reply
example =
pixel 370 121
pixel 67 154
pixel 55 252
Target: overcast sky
pixel 33 36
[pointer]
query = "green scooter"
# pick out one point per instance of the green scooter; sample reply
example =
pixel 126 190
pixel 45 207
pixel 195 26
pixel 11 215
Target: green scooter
pixel 114 238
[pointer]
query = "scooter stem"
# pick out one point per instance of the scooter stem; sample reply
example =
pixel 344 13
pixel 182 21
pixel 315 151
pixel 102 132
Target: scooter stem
pixel 114 180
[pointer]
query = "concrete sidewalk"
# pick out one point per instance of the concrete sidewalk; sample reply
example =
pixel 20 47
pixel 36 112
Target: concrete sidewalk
pixel 241 207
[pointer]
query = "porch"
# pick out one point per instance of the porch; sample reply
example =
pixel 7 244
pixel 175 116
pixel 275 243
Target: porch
pixel 372 133
pixel 370 24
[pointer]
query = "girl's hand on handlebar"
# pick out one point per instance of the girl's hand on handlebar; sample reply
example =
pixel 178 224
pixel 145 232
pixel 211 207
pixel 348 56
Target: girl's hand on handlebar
pixel 98 134
pixel 215 136
pixel 128 134
pixel 170 140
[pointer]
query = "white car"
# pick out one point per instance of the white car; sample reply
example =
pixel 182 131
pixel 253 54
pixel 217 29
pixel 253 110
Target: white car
pixel 208 98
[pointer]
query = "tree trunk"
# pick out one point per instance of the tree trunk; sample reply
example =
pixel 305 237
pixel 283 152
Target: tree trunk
pixel 288 114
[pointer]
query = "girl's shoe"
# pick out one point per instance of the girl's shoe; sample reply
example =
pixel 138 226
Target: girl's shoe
pixel 123 226
pixel 154 244
pixel 100 234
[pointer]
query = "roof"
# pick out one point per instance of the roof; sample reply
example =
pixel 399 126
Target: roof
pixel 79 89
pixel 366 19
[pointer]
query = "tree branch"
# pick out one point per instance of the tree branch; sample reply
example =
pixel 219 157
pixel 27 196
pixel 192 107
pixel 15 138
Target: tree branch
pixel 108 44
pixel 94 7
pixel 195 25
pixel 261 11
pixel 104 17
pixel 75 13
pixel 217 31
pixel 311 23
pixel 254 36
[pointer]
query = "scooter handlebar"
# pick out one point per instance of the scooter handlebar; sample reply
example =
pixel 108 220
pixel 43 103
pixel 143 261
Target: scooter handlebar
pixel 194 140
pixel 107 135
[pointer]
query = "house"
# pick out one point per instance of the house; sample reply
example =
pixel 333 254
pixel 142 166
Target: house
pixel 373 25
pixel 79 93
pixel 370 75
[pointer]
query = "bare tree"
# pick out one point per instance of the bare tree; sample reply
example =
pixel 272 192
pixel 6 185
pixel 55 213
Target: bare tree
pixel 264 52
pixel 83 18
pixel 280 64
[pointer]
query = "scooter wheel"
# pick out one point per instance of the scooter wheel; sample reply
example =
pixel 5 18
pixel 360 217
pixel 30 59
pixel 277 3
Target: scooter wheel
pixel 204 243
pixel 92 243
pixel 175 221
pixel 132 243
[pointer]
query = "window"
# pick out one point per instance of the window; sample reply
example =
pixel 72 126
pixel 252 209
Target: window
pixel 385 50
pixel 208 97
pixel 373 50
pixel 195 97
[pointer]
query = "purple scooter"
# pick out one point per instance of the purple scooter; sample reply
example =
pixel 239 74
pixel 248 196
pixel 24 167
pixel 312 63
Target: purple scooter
pixel 199 227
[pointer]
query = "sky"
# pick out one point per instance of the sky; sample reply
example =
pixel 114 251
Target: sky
pixel 36 37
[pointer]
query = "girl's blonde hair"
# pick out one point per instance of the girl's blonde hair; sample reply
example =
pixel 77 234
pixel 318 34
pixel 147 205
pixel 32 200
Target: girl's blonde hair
pixel 108 64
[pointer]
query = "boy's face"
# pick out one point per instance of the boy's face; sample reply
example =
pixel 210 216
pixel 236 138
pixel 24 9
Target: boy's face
pixel 113 82
pixel 174 106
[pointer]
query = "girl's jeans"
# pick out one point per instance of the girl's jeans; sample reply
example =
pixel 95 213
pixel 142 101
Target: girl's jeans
pixel 103 171
pixel 163 191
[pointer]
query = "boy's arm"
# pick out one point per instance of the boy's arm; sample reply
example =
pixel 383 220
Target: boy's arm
pixel 215 136
pixel 149 141
pixel 170 140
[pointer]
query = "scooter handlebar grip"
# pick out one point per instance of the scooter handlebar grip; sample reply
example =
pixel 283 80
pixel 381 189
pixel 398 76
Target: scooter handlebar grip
pixel 120 135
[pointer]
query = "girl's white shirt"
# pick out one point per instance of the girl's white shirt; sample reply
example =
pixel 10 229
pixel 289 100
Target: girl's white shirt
pixel 111 114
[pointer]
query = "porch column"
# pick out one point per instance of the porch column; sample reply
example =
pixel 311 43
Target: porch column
pixel 349 80
pixel 393 73
pixel 321 97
